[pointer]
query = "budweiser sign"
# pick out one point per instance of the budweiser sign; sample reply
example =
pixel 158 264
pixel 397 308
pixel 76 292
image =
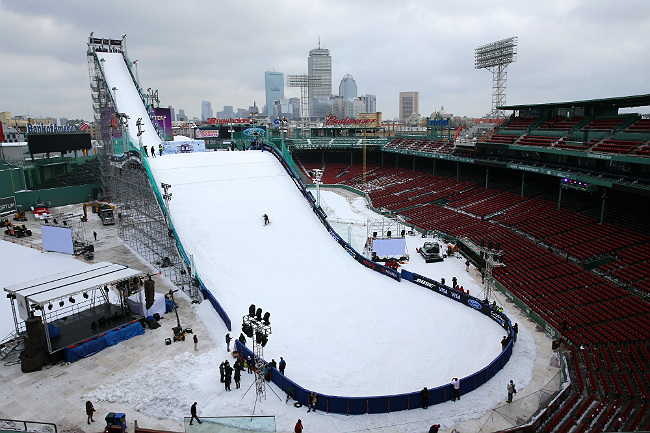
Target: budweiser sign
pixel 214 121
pixel 334 120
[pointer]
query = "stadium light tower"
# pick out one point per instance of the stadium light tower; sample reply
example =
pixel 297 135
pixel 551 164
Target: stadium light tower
pixel 496 57
pixel 304 82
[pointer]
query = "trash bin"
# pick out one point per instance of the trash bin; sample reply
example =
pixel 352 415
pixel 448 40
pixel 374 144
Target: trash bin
pixel 110 418
pixel 120 421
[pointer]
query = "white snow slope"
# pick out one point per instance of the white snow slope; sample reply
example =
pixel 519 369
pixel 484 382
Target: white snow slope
pixel 343 328
pixel 127 97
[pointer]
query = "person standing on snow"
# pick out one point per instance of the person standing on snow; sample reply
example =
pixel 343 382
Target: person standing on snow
pixel 266 219
pixel 283 365
pixel 242 339
pixel 456 384
pixel 238 369
pixel 312 402
pixel 424 394
pixel 193 413
pixel 228 338
pixel 228 370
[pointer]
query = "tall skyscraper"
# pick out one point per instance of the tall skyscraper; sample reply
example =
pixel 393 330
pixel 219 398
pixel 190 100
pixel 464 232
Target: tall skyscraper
pixel 371 103
pixel 319 65
pixel 348 87
pixel 181 115
pixel 274 89
pixel 206 110
pixel 171 112
pixel 409 103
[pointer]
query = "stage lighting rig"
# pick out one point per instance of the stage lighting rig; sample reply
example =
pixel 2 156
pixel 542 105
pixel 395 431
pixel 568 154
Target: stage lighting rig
pixel 257 326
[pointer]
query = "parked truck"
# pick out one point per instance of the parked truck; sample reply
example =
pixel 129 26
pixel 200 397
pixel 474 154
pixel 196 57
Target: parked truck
pixel 105 211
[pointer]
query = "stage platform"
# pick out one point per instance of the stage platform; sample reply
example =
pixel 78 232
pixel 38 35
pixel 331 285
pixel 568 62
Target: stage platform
pixel 77 327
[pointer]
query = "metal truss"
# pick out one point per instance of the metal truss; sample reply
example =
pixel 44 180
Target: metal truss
pixel 142 222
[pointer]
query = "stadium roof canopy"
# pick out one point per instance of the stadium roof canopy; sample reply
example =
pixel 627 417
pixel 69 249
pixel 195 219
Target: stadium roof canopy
pixel 609 103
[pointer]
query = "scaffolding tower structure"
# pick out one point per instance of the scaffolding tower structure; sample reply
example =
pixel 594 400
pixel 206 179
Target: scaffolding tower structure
pixel 143 223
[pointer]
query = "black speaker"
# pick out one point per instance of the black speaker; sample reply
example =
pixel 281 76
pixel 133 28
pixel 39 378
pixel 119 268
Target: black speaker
pixel 31 363
pixel 149 292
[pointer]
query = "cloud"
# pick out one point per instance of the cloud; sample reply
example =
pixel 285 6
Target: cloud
pixel 218 51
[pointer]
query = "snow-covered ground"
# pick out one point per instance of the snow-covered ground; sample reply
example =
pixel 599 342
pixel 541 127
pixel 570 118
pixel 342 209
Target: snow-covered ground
pixel 326 309
pixel 342 328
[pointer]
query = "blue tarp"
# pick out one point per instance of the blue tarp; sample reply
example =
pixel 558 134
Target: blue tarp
pixel 110 338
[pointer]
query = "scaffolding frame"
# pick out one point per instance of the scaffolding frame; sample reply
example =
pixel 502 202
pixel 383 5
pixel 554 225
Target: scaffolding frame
pixel 143 223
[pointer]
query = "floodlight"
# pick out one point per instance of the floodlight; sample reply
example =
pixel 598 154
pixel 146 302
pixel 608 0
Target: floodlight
pixel 496 53
pixel 251 310
pixel 85 295
pixel 61 303
pixel 71 299
pixel 258 314
pixel 267 315
pixel 49 307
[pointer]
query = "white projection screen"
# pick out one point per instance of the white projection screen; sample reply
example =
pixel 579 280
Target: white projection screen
pixel 58 239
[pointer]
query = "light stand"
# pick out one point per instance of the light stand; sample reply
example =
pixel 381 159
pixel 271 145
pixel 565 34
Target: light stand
pixel 138 123
pixel 318 174
pixel 258 328
pixel 493 256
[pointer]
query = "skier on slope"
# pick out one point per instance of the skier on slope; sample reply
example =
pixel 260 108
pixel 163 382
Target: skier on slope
pixel 266 219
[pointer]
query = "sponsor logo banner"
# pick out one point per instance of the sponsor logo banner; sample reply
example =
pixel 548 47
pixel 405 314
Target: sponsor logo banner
pixel 206 133
pixel 334 120
pixel 214 121
pixel 51 129
pixel 7 205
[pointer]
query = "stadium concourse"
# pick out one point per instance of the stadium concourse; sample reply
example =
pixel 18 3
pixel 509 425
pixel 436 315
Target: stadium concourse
pixel 155 384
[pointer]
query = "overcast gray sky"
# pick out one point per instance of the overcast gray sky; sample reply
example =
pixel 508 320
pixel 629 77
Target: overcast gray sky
pixel 218 51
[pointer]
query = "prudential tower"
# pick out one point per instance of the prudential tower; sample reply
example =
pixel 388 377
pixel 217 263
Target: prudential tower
pixel 320 66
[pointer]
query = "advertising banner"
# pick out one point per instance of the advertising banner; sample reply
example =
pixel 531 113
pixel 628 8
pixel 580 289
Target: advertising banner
pixel 164 118
pixel 454 294
pixel 7 205
pixel 185 146
pixel 206 133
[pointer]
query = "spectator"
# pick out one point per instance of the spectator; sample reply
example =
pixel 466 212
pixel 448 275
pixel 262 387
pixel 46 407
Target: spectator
pixel 434 428
pixel 424 394
pixel 298 428
pixel 504 343
pixel 467 265
pixel 90 410
pixel 228 338
pixel 283 365
pixel 456 387
pixel 515 329
pixel 193 413
pixel 511 391
pixel 312 402
pixel 242 339
pixel 196 342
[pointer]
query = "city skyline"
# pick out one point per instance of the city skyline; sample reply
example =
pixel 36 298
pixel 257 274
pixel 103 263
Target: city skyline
pixel 423 46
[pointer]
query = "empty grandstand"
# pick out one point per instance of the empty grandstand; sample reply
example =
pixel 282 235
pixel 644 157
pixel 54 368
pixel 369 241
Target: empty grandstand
pixel 564 188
